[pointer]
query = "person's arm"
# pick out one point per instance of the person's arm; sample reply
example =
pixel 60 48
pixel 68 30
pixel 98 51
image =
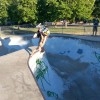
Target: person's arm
pixel 98 22
pixel 35 35
pixel 42 43
pixel 93 21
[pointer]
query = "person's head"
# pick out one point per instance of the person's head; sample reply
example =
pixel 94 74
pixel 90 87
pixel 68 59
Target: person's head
pixel 96 17
pixel 46 26
pixel 39 28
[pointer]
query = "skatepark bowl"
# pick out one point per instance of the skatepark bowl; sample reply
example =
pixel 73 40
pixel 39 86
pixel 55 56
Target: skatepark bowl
pixel 69 69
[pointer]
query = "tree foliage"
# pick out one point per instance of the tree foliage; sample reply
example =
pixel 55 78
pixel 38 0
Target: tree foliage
pixel 81 9
pixel 31 11
pixel 22 11
pixel 3 11
pixel 52 10
pixel 96 11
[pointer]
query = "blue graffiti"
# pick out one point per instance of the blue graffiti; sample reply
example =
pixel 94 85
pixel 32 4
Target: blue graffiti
pixel 79 51
pixel 52 94
pixel 97 55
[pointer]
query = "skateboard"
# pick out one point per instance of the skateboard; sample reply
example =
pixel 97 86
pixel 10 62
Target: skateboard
pixel 37 50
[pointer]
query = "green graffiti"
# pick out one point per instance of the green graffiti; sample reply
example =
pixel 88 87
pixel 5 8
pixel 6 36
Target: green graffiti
pixel 39 62
pixel 40 73
pixel 97 55
pixel 41 70
pixel 52 94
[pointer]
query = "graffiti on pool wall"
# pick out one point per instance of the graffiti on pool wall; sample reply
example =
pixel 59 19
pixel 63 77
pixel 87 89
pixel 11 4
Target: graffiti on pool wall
pixel 97 55
pixel 52 94
pixel 79 51
pixel 41 70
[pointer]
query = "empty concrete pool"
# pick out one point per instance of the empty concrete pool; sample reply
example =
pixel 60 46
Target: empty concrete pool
pixel 69 69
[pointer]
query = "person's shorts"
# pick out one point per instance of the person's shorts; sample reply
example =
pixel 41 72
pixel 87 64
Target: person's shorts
pixel 95 28
pixel 38 35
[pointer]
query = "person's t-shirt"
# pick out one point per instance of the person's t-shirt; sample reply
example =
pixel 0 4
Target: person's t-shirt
pixel 95 22
pixel 38 33
pixel 45 32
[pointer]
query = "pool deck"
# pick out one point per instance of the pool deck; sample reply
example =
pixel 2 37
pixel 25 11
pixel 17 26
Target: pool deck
pixel 16 80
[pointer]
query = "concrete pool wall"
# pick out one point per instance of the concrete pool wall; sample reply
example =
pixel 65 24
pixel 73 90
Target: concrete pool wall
pixel 70 69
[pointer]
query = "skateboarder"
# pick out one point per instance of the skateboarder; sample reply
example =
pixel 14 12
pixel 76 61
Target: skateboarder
pixel 42 33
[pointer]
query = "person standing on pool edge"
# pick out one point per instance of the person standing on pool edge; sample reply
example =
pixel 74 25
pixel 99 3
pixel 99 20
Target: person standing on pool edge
pixel 42 33
pixel 95 25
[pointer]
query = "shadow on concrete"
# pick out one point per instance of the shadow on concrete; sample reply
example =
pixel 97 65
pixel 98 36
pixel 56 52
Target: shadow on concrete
pixel 28 50
pixel 6 48
pixel 65 64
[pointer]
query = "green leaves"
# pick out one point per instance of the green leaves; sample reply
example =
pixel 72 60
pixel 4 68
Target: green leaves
pixel 30 11
pixel 53 10
pixel 96 11
pixel 81 9
pixel 3 11
pixel 24 10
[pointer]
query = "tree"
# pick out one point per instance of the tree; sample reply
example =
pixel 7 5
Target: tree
pixel 81 9
pixel 58 10
pixel 22 11
pixel 3 11
pixel 31 11
pixel 96 11
pixel 52 10
pixel 41 10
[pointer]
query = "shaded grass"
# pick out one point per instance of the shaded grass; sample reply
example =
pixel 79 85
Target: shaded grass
pixel 81 30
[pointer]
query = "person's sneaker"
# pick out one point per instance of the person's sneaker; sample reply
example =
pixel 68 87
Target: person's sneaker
pixel 33 52
pixel 42 50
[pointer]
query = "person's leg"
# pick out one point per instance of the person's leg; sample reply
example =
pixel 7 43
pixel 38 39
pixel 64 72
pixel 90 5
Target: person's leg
pixel 95 30
pixel 35 50
pixel 44 40
pixel 42 43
